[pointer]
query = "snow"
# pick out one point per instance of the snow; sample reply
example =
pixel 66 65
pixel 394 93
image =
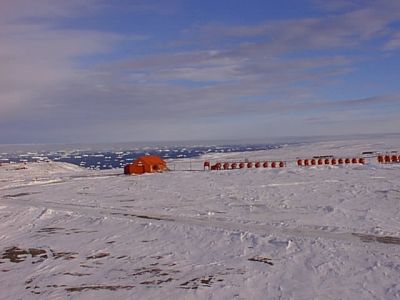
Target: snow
pixel 321 232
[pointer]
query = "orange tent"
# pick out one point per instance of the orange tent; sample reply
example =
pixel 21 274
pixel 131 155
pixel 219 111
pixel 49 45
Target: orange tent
pixel 146 164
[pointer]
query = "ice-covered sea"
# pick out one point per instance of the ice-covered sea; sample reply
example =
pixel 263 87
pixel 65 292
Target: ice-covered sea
pixel 109 159
pixel 317 232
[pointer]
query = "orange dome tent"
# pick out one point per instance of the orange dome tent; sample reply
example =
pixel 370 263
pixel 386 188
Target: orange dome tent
pixel 146 164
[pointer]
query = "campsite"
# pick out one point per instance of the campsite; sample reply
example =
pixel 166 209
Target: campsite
pixel 200 149
pixel 293 232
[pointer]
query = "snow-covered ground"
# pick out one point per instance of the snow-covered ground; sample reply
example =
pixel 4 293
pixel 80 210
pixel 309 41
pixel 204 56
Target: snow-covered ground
pixel 323 232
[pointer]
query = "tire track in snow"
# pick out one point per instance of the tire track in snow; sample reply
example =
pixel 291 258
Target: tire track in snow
pixel 261 229
pixel 23 183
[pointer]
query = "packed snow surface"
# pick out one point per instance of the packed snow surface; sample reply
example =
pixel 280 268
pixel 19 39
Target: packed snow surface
pixel 320 232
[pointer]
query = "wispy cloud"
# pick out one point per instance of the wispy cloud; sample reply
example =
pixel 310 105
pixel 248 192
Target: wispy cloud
pixel 393 43
pixel 349 29
pixel 225 72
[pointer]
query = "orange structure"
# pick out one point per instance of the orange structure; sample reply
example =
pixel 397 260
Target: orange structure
pixel 146 164
pixel 386 159
pixel 217 166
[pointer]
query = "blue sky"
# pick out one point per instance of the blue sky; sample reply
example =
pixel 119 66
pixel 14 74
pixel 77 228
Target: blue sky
pixel 109 71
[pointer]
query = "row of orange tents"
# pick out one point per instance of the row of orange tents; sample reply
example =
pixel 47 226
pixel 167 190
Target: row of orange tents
pixel 153 163
pixel 387 159
pixel 242 165
pixel 330 161
pixel 300 162
pixel 281 164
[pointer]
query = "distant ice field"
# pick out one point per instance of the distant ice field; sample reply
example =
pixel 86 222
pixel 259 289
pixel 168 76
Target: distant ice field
pixel 110 159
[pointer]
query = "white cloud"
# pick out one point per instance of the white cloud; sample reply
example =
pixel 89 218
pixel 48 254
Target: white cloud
pixel 36 57
pixel 393 43
pixel 267 71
